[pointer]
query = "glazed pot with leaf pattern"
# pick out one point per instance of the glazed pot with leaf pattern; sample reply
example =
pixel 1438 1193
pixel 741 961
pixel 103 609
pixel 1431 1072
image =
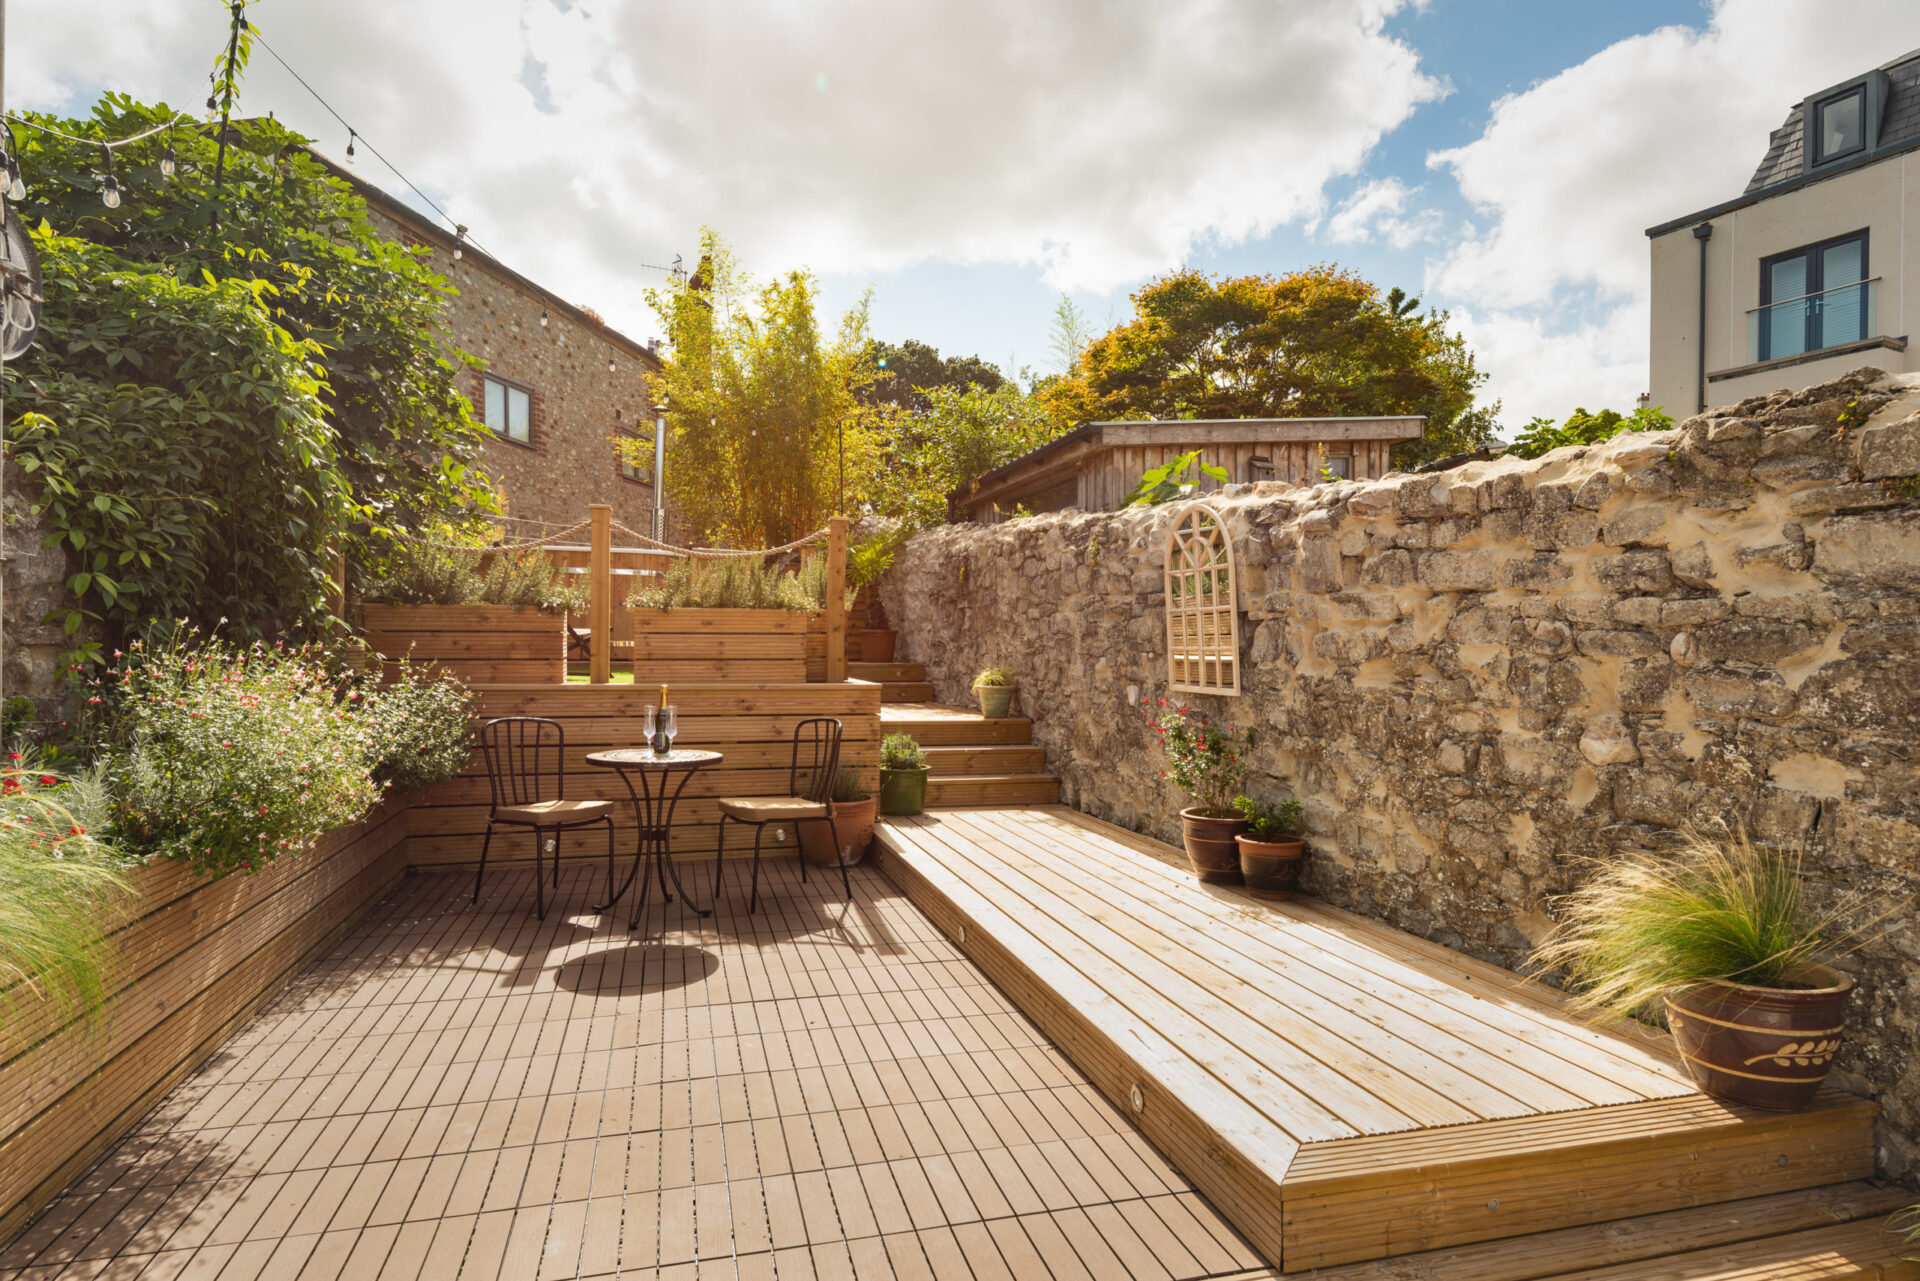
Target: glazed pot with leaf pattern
pixel 1766 1047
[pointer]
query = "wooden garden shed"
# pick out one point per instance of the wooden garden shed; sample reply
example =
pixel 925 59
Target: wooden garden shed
pixel 1095 467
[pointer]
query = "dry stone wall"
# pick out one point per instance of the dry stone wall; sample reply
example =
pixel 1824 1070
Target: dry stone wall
pixel 1479 681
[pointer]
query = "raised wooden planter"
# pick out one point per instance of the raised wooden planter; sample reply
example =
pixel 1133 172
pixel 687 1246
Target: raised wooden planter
pixel 668 645
pixel 197 957
pixel 481 644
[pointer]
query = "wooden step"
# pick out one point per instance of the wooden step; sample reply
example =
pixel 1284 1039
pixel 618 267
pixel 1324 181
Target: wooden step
pixel 888 672
pixel 935 726
pixel 993 789
pixel 950 762
pixel 906 692
pixel 1650 1246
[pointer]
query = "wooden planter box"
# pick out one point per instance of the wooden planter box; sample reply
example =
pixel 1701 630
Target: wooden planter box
pixel 481 644
pixel 669 645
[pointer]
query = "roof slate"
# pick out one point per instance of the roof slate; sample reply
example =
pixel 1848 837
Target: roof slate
pixel 1899 123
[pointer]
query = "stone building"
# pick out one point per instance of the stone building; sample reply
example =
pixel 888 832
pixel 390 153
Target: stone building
pixel 558 386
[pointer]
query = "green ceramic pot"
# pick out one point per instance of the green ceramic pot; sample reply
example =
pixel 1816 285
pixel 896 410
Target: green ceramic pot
pixel 903 791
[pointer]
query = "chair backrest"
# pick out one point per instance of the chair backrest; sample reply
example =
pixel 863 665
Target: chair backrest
pixel 524 755
pixel 816 758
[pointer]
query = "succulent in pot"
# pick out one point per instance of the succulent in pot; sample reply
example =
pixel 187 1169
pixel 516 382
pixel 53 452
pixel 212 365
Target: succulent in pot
pixel 854 807
pixel 1208 763
pixel 903 775
pixel 994 687
pixel 1271 853
pixel 1720 934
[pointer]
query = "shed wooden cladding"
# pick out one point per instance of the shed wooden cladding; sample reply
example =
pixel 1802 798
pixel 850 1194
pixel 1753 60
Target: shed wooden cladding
pixel 197 956
pixel 481 644
pixel 751 724
pixel 1203 618
pixel 1342 1091
pixel 1095 467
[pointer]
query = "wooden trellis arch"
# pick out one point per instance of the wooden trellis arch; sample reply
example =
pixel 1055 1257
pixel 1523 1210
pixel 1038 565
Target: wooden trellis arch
pixel 1203 616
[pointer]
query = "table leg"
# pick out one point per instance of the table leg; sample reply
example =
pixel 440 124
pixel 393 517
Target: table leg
pixel 640 818
pixel 666 851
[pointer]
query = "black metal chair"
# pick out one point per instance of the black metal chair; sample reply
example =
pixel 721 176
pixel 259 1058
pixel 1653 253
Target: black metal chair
pixel 522 753
pixel 819 737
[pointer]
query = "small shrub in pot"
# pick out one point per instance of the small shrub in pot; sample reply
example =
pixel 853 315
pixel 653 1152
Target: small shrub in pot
pixel 994 687
pixel 854 805
pixel 903 775
pixel 1208 763
pixel 1270 853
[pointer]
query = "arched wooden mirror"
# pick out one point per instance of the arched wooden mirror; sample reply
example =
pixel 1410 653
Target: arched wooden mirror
pixel 1203 618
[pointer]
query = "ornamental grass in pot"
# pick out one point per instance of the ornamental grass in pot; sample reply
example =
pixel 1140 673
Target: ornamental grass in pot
pixel 854 807
pixel 1208 764
pixel 1719 934
pixel 994 687
pixel 903 775
pixel 1271 854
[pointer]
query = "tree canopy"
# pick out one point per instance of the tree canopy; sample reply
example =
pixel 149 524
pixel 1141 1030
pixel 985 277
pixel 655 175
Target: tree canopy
pixel 214 408
pixel 905 372
pixel 1317 342
pixel 959 435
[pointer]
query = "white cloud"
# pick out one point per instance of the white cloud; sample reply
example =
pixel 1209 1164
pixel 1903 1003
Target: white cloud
pixel 1378 212
pixel 1099 141
pixel 1569 174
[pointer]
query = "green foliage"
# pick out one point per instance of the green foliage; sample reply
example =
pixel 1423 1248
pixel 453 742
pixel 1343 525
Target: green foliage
pixel 868 562
pixel 1317 342
pixel 735 582
pixel 1203 760
pixel 960 436
pixel 1069 335
pixel 997 677
pixel 1266 822
pixel 431 572
pixel 1583 428
pixel 907 374
pixel 1175 479
pixel 849 784
pixel 760 403
pixel 901 751
pixel 209 410
pixel 227 756
pixel 1721 908
pixel 422 727
pixel 61 889
pixel 1907 1224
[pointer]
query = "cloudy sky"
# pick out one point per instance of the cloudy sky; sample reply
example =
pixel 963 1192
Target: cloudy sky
pixel 973 161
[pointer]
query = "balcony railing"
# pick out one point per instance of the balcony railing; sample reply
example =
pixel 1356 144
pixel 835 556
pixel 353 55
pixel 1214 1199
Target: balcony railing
pixel 1813 322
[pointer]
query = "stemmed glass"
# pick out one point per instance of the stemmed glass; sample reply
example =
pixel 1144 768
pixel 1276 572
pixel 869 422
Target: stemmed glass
pixel 672 724
pixel 648 723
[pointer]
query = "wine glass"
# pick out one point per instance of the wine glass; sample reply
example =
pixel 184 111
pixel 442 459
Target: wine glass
pixel 647 723
pixel 672 725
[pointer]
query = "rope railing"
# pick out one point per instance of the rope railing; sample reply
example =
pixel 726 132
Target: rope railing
pixel 718 553
pixel 418 541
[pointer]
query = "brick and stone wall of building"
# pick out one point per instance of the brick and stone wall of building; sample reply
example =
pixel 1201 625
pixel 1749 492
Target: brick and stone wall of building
pixel 1480 681
pixel 579 405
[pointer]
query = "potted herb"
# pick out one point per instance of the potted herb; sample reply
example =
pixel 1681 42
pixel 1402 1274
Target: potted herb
pixel 853 811
pixel 994 688
pixel 1270 853
pixel 1721 935
pixel 1208 764
pixel 903 775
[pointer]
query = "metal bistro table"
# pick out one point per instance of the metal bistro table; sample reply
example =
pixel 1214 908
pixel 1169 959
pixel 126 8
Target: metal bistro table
pixel 652 854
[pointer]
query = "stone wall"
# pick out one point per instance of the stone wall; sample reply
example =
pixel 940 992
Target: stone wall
pixel 1479 680
pixel 35 586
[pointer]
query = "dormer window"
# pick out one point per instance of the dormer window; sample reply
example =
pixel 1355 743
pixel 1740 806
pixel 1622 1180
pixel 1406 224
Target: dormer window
pixel 1840 125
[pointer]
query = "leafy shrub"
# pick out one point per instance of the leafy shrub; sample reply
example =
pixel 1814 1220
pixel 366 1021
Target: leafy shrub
pixel 1176 479
pixel 850 785
pixel 228 756
pixel 735 582
pixel 868 562
pixel 1267 822
pixel 1204 761
pixel 428 573
pixel 61 887
pixel 901 751
pixel 1583 428
pixel 422 727
pixel 997 677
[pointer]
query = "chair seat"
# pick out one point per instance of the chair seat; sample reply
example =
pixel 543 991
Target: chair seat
pixel 554 813
pixel 772 809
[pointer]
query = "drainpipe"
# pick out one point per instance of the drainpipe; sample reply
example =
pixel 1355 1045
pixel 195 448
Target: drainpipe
pixel 1702 233
pixel 660 471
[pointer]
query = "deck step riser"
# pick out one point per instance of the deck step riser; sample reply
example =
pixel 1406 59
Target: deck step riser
pixel 990 789
pixel 914 673
pixel 906 692
pixel 1012 732
pixel 958 762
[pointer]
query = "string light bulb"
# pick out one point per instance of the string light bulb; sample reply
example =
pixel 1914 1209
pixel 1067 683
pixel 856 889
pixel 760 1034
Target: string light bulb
pixel 459 239
pixel 351 135
pixel 168 162
pixel 16 189
pixel 543 319
pixel 109 186
pixel 609 362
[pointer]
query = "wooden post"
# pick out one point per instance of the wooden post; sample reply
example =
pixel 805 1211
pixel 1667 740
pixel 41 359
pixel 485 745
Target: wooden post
pixel 600 606
pixel 837 599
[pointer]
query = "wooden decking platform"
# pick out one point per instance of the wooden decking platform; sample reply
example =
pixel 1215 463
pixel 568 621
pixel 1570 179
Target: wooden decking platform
pixel 1344 1091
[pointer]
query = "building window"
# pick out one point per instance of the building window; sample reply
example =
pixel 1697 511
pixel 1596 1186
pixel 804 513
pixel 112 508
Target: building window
pixel 509 411
pixel 1840 125
pixel 1337 465
pixel 1813 297
pixel 1203 618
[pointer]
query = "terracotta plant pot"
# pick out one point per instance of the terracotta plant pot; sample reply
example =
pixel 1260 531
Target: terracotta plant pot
pixel 876 646
pixel 1766 1047
pixel 855 820
pixel 995 700
pixel 1210 845
pixel 903 791
pixel 1271 869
